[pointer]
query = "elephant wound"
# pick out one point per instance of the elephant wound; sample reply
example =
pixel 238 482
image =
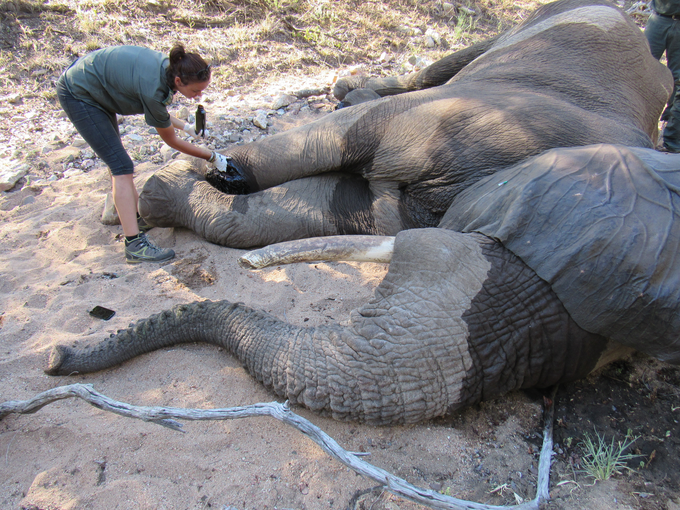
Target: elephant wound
pixel 231 181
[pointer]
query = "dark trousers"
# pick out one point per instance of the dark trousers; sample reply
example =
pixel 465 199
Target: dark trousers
pixel 98 128
pixel 663 35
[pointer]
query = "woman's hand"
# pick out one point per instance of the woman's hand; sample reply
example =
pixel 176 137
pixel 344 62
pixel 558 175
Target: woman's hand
pixel 191 129
pixel 168 135
pixel 219 161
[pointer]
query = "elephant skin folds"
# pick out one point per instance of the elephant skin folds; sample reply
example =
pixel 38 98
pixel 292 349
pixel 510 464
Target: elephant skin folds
pixel 518 261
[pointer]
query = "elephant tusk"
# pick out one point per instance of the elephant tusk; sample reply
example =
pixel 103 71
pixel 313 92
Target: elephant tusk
pixel 332 248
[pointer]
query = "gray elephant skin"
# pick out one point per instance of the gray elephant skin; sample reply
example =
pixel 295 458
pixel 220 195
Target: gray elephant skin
pixel 536 228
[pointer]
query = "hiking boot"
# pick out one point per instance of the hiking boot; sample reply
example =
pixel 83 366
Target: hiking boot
pixel 143 249
pixel 143 225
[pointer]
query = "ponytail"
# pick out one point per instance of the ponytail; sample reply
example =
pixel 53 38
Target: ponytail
pixel 190 67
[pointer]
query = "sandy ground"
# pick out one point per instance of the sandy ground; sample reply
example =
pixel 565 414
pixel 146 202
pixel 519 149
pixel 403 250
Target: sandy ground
pixel 57 261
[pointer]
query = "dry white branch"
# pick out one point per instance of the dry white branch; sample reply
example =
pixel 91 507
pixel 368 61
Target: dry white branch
pixel 166 416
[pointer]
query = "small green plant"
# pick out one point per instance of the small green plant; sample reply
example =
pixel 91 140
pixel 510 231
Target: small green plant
pixel 465 24
pixel 601 459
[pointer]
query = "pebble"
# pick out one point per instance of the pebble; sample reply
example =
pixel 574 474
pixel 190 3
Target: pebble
pixel 72 172
pixel 434 35
pixel 168 153
pixel 49 148
pixel 405 29
pixel 12 98
pixel 448 9
pixel 182 113
pixel 10 172
pixel 283 100
pixel 65 155
pixel 260 120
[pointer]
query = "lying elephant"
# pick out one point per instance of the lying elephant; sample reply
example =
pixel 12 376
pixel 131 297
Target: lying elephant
pixel 538 275
pixel 576 72
pixel 545 265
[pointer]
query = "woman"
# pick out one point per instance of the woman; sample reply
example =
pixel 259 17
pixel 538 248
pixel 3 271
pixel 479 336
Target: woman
pixel 129 80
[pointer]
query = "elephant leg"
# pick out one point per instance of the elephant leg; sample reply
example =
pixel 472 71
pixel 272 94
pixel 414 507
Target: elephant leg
pixel 345 141
pixel 476 316
pixel 436 74
pixel 331 204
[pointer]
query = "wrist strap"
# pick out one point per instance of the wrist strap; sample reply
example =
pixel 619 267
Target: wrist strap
pixel 212 157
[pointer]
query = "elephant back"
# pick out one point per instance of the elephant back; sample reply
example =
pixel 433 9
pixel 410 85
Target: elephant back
pixel 600 224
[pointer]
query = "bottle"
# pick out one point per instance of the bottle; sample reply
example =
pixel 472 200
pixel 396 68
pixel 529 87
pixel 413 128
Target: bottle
pixel 200 120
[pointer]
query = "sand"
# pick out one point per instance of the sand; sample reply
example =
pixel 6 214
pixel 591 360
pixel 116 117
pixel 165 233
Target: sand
pixel 57 261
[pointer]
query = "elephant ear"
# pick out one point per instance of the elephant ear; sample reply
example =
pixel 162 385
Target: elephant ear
pixel 600 224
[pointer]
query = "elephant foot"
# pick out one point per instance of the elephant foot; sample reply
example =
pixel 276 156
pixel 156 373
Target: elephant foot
pixel 346 84
pixel 357 96
pixel 231 181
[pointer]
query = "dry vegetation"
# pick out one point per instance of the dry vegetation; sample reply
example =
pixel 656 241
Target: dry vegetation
pixel 247 40
pixel 251 44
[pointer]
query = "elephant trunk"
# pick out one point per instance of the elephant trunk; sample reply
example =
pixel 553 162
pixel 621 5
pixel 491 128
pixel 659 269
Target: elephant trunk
pixel 332 370
pixel 456 320
pixel 195 322
pixel 325 369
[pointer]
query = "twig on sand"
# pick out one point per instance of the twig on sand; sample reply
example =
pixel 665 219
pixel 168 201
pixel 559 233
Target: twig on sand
pixel 166 416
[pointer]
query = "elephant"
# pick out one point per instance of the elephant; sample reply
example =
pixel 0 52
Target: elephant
pixel 574 73
pixel 533 227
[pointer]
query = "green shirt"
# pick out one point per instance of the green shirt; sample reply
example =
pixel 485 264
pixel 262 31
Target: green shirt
pixel 126 80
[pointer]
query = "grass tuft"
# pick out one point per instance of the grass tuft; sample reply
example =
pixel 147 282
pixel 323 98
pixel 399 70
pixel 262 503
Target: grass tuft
pixel 601 460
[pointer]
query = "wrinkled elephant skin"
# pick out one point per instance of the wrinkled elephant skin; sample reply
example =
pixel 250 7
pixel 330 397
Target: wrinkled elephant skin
pixel 536 229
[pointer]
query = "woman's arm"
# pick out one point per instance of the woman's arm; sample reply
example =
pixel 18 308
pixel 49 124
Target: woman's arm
pixel 176 123
pixel 169 136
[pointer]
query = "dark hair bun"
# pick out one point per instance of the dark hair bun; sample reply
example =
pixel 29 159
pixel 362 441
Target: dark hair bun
pixel 177 53
pixel 189 67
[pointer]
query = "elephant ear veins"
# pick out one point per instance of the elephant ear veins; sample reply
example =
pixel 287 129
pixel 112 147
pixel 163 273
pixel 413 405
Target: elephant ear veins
pixel 600 224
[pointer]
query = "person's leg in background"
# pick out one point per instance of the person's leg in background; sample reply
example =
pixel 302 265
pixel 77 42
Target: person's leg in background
pixel 125 198
pixel 663 35
pixel 671 133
